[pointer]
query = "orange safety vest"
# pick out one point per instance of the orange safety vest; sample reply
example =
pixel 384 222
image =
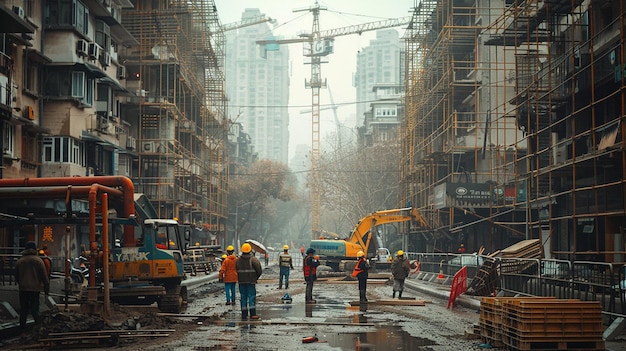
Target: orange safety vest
pixel 357 268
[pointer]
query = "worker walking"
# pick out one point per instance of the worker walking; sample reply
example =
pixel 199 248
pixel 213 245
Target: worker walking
pixel 31 276
pixel 400 270
pixel 310 273
pixel 228 274
pixel 285 263
pixel 248 272
pixel 360 272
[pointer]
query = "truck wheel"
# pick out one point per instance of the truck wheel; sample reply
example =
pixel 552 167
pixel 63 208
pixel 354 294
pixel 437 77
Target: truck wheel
pixel 172 301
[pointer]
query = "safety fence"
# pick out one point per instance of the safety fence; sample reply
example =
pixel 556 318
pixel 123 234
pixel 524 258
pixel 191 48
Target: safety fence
pixel 584 280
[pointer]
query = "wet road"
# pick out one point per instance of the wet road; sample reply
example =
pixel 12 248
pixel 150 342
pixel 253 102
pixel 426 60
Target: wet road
pixel 336 324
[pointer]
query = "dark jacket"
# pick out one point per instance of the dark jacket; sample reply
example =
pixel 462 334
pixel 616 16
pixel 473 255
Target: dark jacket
pixel 30 273
pixel 248 269
pixel 310 268
pixel 400 268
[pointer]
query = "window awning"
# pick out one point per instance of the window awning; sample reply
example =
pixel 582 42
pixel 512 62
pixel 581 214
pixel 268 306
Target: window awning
pixel 10 22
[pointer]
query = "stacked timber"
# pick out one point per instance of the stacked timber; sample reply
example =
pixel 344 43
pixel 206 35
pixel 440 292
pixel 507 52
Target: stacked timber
pixel 522 254
pixel 539 323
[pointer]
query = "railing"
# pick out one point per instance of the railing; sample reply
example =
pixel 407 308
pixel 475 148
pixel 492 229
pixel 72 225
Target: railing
pixel 584 280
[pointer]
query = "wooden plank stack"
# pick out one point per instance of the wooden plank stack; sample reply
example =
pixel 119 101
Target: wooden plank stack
pixel 539 323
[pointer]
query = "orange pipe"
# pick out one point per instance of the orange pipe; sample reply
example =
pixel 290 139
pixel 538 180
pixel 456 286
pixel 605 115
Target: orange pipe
pixel 125 183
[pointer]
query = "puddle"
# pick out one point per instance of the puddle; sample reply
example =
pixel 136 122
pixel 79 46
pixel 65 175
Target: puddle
pixel 385 338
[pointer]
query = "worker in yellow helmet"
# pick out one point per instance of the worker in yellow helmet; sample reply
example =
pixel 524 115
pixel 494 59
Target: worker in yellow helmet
pixel 400 270
pixel 248 271
pixel 228 274
pixel 285 263
pixel 360 272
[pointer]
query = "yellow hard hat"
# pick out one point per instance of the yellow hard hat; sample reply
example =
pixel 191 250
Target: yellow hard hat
pixel 230 248
pixel 286 247
pixel 400 252
pixel 41 252
pixel 360 254
pixel 224 256
pixel 245 248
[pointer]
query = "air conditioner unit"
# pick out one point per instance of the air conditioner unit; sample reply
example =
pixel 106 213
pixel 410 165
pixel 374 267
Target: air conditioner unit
pixel 94 51
pixel 148 146
pixel 82 46
pixel 29 112
pixel 131 143
pixel 105 59
pixel 18 11
pixel 121 72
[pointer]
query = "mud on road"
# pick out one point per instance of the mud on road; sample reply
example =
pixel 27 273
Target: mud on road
pixel 212 325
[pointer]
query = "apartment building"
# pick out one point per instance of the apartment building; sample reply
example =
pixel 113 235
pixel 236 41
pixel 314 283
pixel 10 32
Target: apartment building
pixel 117 88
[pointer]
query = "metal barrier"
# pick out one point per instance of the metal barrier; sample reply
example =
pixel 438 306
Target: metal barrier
pixel 584 280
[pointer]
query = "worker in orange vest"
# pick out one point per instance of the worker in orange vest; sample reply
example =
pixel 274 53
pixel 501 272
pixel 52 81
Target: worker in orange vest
pixel 360 272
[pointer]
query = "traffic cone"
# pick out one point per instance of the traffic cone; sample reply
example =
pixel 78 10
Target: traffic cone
pixel 440 275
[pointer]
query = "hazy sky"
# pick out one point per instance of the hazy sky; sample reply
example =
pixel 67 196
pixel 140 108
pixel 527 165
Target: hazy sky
pixel 341 64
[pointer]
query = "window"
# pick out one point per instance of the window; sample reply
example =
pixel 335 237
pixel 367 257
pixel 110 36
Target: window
pixel 31 77
pixel 103 35
pixel 8 140
pixel 78 84
pixel 67 13
pixel 31 148
pixel 63 149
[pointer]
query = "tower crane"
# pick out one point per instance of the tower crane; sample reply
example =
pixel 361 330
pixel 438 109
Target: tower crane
pixel 246 22
pixel 334 108
pixel 318 44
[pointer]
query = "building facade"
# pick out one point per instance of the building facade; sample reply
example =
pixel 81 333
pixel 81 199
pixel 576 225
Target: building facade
pixel 257 86
pixel 117 88
pixel 378 63
pixel 514 124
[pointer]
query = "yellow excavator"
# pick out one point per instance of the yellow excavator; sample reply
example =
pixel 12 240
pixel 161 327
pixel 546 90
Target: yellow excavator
pixel 341 255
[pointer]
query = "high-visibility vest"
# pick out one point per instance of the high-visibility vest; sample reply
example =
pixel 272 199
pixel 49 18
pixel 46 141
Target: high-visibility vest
pixel 308 269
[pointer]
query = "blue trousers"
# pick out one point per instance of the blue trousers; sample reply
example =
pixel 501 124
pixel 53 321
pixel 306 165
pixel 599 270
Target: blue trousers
pixel 248 299
pixel 284 272
pixel 230 291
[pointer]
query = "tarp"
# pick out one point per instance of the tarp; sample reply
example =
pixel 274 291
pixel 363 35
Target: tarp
pixel 257 246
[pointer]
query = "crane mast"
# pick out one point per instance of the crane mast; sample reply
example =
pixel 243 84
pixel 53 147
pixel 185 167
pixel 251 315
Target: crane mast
pixel 316 45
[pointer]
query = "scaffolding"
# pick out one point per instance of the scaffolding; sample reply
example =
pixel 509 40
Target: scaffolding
pixel 176 73
pixel 520 105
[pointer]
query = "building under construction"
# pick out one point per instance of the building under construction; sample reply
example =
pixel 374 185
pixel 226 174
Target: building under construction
pixel 176 75
pixel 513 126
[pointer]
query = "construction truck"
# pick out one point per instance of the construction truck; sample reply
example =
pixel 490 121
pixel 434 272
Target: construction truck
pixel 144 254
pixel 341 255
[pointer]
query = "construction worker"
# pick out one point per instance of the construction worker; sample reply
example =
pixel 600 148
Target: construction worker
pixel 31 275
pixel 248 272
pixel 310 273
pixel 461 249
pixel 46 262
pixel 285 264
pixel 400 270
pixel 228 274
pixel 360 272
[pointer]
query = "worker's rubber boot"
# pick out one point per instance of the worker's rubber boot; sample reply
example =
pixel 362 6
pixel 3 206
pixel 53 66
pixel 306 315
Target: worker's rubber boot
pixel 400 294
pixel 394 295
pixel 253 314
pixel 244 314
